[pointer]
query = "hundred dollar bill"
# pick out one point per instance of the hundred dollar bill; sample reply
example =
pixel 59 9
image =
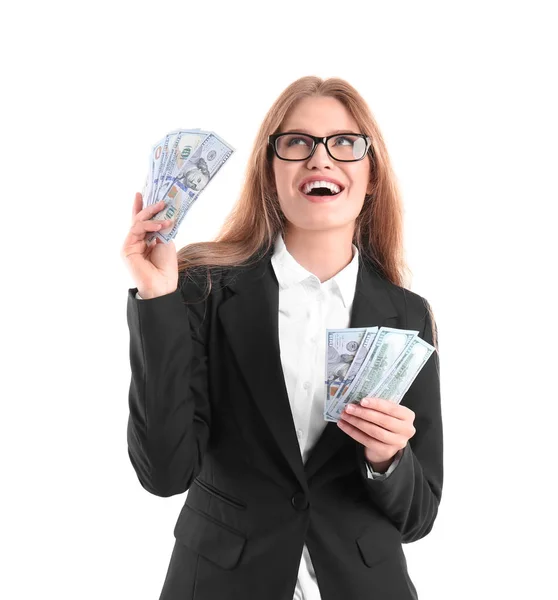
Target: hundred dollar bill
pixel 156 156
pixel 357 362
pixel 167 161
pixel 186 142
pixel 160 163
pixel 404 371
pixel 157 162
pixel 342 346
pixel 386 348
pixel 192 179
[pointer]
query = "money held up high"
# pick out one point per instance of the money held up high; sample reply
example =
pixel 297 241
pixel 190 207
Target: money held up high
pixel 180 167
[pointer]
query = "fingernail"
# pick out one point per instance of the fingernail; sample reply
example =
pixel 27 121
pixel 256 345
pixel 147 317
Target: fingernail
pixel 365 402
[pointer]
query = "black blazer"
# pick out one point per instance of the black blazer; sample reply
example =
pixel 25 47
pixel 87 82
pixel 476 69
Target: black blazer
pixel 209 413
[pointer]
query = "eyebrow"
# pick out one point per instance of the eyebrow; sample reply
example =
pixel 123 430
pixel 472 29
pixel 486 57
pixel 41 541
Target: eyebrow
pixel 302 130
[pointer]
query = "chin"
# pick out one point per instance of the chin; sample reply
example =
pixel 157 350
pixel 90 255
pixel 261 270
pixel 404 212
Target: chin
pixel 320 223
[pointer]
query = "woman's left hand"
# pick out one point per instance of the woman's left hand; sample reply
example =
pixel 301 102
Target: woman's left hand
pixel 381 426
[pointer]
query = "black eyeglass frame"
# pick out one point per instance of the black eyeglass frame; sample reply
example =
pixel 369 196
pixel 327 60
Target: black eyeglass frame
pixel 272 139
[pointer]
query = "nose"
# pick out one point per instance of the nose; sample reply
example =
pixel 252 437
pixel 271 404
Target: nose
pixel 320 158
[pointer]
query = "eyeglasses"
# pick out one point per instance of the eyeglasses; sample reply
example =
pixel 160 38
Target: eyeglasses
pixel 344 147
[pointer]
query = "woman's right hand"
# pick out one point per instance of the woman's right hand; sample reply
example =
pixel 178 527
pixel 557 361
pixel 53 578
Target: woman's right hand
pixel 154 265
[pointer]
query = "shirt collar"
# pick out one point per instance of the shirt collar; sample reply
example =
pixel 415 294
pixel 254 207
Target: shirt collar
pixel 290 273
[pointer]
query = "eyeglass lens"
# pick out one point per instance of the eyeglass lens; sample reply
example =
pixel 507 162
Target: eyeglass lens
pixel 299 147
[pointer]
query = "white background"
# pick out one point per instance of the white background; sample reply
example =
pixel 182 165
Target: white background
pixel 465 96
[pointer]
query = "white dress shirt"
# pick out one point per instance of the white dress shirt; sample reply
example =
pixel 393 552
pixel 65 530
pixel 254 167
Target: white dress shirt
pixel 307 307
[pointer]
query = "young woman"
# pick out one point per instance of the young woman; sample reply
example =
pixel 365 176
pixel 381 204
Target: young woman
pixel 227 353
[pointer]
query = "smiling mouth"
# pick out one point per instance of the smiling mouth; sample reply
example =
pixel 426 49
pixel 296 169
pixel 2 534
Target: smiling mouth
pixel 321 191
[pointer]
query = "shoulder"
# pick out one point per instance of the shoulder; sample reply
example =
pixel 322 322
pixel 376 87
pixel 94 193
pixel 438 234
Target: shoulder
pixel 200 283
pixel 207 283
pixel 205 288
pixel 415 308
pixel 416 311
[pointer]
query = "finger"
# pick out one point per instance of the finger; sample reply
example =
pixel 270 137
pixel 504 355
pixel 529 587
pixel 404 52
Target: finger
pixel 144 226
pixel 139 230
pixel 398 411
pixel 375 431
pixel 362 437
pixel 129 250
pixel 149 211
pixel 381 419
pixel 149 248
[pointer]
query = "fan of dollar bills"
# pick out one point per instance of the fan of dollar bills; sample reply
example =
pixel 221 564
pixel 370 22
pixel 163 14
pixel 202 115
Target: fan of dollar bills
pixel 371 362
pixel 180 167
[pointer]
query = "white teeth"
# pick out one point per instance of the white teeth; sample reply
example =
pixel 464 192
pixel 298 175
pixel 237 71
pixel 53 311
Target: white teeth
pixel 308 187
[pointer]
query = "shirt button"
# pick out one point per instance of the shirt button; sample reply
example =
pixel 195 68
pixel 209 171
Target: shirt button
pixel 299 433
pixel 306 385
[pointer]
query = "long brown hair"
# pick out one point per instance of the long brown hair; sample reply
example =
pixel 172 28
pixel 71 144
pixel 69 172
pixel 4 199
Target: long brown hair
pixel 256 219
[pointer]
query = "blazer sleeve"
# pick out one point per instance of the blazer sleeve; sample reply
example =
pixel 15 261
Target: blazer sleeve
pixel 410 496
pixel 170 418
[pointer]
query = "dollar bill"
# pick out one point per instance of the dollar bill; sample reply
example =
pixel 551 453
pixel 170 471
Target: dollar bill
pixel 182 143
pixel 388 345
pixel 155 162
pixel 186 142
pixel 360 356
pixel 341 347
pixel 193 177
pixel 404 371
pixel 167 161
pixel 160 162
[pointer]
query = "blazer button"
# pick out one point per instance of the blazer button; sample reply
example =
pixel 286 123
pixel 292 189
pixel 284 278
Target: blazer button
pixel 299 501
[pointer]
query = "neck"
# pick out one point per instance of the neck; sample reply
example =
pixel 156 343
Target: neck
pixel 323 253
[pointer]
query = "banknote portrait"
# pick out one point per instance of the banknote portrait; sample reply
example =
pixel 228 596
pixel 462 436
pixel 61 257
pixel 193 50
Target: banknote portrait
pixel 196 178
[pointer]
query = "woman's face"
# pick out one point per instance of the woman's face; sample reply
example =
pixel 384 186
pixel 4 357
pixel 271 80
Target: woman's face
pixel 321 116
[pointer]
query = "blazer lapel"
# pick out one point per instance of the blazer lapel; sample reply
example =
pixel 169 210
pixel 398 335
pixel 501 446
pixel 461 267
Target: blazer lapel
pixel 250 321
